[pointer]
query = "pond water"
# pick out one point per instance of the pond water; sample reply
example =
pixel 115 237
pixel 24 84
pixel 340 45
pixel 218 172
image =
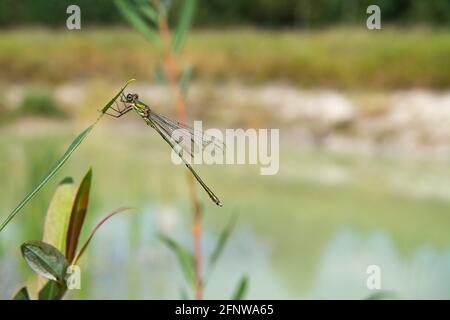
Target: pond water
pixel 311 231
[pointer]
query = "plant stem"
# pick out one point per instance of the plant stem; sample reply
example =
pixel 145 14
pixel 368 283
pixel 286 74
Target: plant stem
pixel 197 234
pixel 170 67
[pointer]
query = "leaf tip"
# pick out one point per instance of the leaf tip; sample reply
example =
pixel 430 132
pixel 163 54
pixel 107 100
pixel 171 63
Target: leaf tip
pixel 66 180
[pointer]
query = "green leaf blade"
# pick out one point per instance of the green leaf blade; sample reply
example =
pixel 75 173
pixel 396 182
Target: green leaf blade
pixel 185 258
pixel 22 294
pixel 185 20
pixel 58 215
pixel 148 11
pixel 186 80
pixel 160 76
pixel 221 242
pixel 241 289
pixel 52 291
pixel 45 260
pixel 381 295
pixel 133 17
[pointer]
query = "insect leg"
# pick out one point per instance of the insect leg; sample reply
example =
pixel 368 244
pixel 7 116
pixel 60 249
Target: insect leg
pixel 117 106
pixel 121 113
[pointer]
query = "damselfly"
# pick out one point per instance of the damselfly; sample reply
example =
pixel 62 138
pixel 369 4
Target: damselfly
pixel 165 128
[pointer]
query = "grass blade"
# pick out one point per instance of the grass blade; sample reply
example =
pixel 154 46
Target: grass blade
pixel 47 177
pixel 60 162
pixel 84 247
pixel 22 294
pixel 45 260
pixel 77 216
pixel 185 258
pixel 184 22
pixel 241 289
pixel 133 17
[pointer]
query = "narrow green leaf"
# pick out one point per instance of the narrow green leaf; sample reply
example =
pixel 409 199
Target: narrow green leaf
pixel 160 75
pixel 61 161
pixel 47 177
pixel 184 22
pixel 185 258
pixel 221 242
pixel 77 216
pixel 183 294
pixel 167 5
pixel 84 247
pixel 381 295
pixel 52 291
pixel 45 260
pixel 241 289
pixel 58 215
pixel 133 17
pixel 22 294
pixel 186 80
pixel 148 11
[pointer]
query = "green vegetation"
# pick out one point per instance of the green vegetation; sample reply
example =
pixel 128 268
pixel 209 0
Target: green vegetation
pixel 73 146
pixel 267 13
pixel 342 58
pixel 39 102
pixel 314 197
pixel 64 221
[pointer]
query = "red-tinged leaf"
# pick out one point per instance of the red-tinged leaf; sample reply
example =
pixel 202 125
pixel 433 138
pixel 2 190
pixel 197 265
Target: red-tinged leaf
pixel 77 216
pixel 84 247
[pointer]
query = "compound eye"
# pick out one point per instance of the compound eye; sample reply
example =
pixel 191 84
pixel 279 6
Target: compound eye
pixel 136 97
pixel 129 97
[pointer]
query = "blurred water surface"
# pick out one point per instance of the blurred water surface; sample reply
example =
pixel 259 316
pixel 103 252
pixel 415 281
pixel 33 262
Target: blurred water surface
pixel 310 231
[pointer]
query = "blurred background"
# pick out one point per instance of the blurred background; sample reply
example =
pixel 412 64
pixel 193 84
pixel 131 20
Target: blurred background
pixel 364 156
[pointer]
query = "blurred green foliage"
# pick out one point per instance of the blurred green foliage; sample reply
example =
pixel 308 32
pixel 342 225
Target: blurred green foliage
pixel 39 101
pixel 267 13
pixel 339 58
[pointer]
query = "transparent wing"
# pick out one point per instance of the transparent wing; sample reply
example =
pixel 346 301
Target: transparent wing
pixel 189 138
pixel 163 131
